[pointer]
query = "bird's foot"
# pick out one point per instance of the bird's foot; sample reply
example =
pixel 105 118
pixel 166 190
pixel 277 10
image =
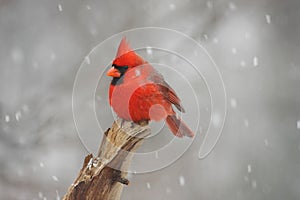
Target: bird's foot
pixel 143 122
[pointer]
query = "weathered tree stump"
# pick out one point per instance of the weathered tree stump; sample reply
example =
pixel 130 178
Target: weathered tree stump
pixel 103 177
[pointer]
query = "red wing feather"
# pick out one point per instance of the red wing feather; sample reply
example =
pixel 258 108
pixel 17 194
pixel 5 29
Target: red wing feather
pixel 166 90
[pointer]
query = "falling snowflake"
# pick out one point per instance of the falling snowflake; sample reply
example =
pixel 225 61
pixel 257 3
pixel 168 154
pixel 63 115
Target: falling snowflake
pixel 40 194
pixel 149 50
pixel 216 119
pixel 249 168
pixel 87 60
pixel 246 123
pixel 168 190
pixel 54 178
pixel 59 6
pixel 18 115
pixel 268 18
pixel 243 63
pixel 255 61
pixel 233 102
pixel 172 6
pixel 253 184
pixel 266 142
pixel 216 40
pixel 233 50
pixel 7 118
pixel 53 56
pixel 232 6
pixel 148 185
pixel 57 195
pixel 25 108
pixel 17 55
pixel 181 181
pixel 209 4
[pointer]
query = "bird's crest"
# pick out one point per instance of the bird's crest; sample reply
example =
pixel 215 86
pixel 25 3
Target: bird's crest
pixel 126 56
pixel 123 48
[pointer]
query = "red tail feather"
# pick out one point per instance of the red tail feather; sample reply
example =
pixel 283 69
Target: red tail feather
pixel 178 127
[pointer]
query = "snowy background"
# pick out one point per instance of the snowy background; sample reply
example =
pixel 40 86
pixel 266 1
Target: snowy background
pixel 255 43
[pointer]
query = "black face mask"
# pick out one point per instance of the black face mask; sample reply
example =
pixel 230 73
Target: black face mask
pixel 122 70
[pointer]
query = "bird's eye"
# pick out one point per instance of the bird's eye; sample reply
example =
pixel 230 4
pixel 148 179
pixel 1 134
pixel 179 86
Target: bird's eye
pixel 121 69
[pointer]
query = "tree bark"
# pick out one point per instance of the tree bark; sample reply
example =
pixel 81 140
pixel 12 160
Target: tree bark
pixel 103 177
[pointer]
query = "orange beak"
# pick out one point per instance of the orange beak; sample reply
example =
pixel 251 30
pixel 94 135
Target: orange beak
pixel 113 72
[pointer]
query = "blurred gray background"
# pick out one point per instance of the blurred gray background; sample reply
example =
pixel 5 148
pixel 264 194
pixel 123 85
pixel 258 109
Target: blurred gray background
pixel 255 43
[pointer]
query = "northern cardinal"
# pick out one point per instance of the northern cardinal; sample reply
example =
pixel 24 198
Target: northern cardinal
pixel 139 93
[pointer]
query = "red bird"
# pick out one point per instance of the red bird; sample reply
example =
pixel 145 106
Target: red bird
pixel 139 93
